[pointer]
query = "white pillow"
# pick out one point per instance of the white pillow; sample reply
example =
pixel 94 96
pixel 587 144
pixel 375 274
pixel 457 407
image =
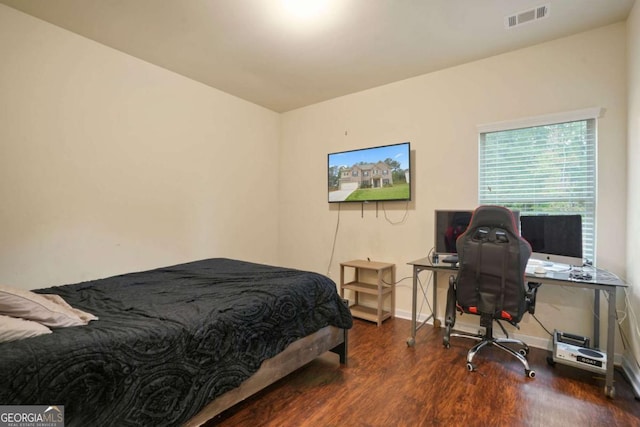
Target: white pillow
pixel 83 315
pixel 12 328
pixel 47 311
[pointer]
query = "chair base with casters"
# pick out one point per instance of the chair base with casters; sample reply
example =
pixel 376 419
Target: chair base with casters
pixel 486 339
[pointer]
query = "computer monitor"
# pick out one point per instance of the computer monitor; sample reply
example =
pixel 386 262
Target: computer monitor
pixel 554 238
pixel 450 225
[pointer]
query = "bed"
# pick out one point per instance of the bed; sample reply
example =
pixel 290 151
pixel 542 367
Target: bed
pixel 175 345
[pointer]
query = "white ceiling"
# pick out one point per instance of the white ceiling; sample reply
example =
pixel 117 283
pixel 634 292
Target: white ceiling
pixel 249 48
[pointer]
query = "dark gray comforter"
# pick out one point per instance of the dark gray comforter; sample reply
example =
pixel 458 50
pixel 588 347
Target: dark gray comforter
pixel 167 341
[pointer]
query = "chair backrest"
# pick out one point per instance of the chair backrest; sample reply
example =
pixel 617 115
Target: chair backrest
pixel 493 258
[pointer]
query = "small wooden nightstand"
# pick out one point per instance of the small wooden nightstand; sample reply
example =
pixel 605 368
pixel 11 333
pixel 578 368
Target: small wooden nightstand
pixel 381 283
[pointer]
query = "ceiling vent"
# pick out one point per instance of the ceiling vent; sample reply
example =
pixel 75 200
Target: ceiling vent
pixel 526 16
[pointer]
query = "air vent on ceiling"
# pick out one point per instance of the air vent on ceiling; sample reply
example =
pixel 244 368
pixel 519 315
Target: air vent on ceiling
pixel 526 16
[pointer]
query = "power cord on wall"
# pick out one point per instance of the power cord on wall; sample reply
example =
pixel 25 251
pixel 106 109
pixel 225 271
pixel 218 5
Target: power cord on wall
pixel 627 312
pixel 335 238
pixel 623 337
pixel 541 325
pixel 397 281
pixel 404 218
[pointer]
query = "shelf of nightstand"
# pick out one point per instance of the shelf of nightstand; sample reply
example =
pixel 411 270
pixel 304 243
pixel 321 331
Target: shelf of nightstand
pixel 368 313
pixel 367 288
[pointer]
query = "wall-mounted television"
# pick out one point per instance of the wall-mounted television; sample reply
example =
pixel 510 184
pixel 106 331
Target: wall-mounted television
pixel 374 174
pixel 554 238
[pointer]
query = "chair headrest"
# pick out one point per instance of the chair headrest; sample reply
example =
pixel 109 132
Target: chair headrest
pixel 496 216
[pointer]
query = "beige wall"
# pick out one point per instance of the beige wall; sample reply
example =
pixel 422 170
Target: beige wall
pixel 109 164
pixel 632 323
pixel 439 114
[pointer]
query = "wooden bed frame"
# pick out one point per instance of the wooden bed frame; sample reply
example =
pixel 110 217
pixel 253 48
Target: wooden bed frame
pixel 296 355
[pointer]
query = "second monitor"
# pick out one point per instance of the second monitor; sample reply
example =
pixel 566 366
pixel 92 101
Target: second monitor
pixel 449 225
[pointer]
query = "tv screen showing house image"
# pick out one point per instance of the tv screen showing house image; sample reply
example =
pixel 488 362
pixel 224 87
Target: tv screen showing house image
pixel 374 174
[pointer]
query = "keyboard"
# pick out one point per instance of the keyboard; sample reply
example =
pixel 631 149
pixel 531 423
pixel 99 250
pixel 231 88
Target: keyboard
pixel 450 259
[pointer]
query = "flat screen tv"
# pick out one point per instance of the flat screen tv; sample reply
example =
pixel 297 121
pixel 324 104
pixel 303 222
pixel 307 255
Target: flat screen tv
pixel 554 238
pixel 375 174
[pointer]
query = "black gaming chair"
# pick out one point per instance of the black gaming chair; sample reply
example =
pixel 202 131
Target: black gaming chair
pixel 490 281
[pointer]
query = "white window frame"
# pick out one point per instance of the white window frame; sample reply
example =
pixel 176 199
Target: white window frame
pixel 550 119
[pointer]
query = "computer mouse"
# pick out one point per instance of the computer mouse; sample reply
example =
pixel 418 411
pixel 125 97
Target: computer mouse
pixel 540 270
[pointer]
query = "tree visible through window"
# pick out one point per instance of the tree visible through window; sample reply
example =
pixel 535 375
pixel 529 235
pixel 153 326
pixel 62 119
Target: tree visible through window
pixel 543 169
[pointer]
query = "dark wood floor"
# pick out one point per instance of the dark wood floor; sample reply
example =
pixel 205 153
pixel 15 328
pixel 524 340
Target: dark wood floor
pixel 387 383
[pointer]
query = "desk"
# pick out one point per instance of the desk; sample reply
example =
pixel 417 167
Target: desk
pixel 601 280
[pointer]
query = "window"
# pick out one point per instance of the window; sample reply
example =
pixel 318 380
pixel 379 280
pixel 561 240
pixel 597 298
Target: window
pixel 546 167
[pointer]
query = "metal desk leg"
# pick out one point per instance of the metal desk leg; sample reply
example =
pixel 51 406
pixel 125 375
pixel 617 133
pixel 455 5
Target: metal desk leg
pixel 609 389
pixel 414 303
pixel 434 313
pixel 411 341
pixel 596 318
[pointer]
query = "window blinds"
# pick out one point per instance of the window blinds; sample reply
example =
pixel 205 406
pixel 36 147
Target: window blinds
pixel 543 169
